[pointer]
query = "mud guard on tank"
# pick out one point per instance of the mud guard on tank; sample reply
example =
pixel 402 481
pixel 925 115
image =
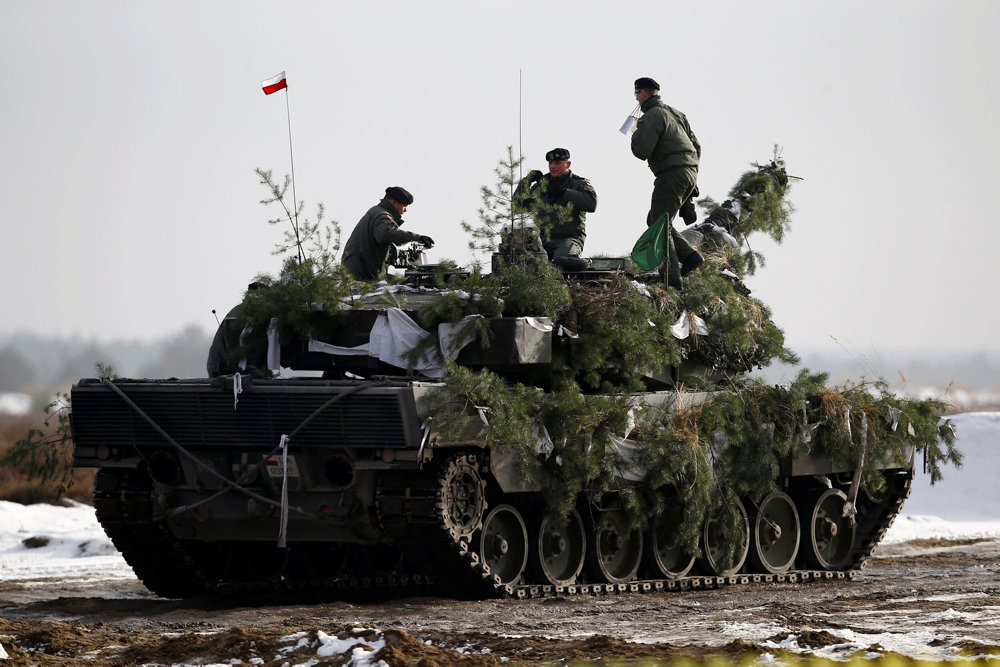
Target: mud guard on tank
pixel 511 477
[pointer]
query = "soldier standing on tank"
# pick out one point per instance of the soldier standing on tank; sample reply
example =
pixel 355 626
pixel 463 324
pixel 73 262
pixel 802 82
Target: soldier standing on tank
pixel 559 201
pixel 665 140
pixel 366 253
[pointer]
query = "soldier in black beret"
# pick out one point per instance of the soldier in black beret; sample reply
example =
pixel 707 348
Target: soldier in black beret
pixel 559 202
pixel 398 194
pixel 366 253
pixel 665 140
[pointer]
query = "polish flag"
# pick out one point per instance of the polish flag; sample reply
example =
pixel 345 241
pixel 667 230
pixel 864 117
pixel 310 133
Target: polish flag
pixel 274 84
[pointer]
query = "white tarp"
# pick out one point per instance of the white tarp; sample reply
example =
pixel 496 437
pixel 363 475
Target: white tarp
pixel 454 336
pixel 273 346
pixel 540 323
pixel 682 328
pixel 391 339
pixel 318 346
pixel 628 450
pixel 394 335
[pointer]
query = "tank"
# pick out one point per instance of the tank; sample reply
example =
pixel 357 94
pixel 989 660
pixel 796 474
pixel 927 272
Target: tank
pixel 424 437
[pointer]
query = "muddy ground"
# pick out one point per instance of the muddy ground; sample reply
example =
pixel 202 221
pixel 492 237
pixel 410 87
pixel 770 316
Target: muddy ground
pixel 921 599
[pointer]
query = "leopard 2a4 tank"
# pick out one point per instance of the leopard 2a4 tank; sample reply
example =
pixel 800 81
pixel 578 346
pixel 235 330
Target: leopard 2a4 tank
pixel 447 434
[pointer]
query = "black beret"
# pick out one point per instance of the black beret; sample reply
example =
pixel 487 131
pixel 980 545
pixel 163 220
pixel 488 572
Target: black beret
pixel 399 194
pixel 647 83
pixel 557 154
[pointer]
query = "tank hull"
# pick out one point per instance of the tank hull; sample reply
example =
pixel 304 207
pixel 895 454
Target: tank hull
pixel 346 488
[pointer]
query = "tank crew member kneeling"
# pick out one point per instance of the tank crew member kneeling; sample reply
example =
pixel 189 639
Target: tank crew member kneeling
pixel 664 139
pixel 366 253
pixel 559 201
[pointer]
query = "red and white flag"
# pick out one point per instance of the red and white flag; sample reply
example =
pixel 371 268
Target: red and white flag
pixel 274 84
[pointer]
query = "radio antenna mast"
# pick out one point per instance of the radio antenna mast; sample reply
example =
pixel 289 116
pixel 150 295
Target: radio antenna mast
pixel 520 147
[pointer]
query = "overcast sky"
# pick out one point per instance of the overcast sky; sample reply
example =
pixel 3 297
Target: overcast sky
pixel 130 132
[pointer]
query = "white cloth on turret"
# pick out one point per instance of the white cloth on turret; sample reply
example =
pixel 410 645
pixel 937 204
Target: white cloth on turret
pixel 454 336
pixel 273 346
pixel 391 339
pixel 682 328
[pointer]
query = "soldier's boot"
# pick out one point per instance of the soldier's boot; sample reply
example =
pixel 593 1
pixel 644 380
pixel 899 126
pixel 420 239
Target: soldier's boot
pixel 691 262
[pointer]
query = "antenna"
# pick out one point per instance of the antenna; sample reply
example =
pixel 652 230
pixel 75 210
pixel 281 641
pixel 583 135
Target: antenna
pixel 520 169
pixel 520 146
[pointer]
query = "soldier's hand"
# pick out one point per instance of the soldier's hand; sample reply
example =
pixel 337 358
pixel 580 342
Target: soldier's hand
pixel 534 175
pixel 426 241
pixel 555 194
pixel 688 212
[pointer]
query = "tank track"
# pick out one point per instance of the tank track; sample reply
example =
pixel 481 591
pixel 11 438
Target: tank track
pixel 879 516
pixel 124 508
pixel 439 559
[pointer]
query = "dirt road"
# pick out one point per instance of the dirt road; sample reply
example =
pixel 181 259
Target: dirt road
pixel 921 599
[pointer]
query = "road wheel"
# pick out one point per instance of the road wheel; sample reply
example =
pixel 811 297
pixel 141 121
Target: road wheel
pixel 721 537
pixel 558 548
pixel 665 558
pixel 830 533
pixel 613 552
pixel 503 543
pixel 774 534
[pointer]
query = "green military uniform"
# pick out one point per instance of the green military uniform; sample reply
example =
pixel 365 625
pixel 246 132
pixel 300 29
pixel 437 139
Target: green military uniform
pixel 559 206
pixel 366 253
pixel 220 360
pixel 665 140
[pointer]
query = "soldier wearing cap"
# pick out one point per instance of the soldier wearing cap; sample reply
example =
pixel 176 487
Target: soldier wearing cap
pixel 559 201
pixel 366 253
pixel 665 140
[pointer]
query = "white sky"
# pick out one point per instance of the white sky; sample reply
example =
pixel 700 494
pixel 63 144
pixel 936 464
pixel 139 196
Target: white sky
pixel 129 133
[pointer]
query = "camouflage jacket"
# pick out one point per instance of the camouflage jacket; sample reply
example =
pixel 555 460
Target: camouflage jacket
pixel 366 253
pixel 664 138
pixel 559 205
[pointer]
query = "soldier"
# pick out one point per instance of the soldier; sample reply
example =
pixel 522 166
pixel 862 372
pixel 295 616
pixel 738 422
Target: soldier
pixel 559 202
pixel 664 139
pixel 366 253
pixel 227 337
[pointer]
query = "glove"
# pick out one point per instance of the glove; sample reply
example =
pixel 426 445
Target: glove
pixel 534 175
pixel 555 194
pixel 426 241
pixel 688 213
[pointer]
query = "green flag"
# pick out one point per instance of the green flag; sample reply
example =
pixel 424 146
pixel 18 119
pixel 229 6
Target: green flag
pixel 651 249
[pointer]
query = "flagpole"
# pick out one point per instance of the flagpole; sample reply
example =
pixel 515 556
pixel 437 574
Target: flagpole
pixel 291 157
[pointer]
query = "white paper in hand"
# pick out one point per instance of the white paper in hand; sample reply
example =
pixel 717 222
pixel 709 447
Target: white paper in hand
pixel 628 127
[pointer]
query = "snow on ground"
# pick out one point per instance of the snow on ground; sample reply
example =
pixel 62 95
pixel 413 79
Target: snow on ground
pixel 15 403
pixel 39 542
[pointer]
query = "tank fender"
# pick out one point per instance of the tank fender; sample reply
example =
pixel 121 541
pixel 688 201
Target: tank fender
pixel 508 472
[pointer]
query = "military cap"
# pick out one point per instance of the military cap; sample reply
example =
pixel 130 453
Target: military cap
pixel 557 154
pixel 646 83
pixel 399 194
